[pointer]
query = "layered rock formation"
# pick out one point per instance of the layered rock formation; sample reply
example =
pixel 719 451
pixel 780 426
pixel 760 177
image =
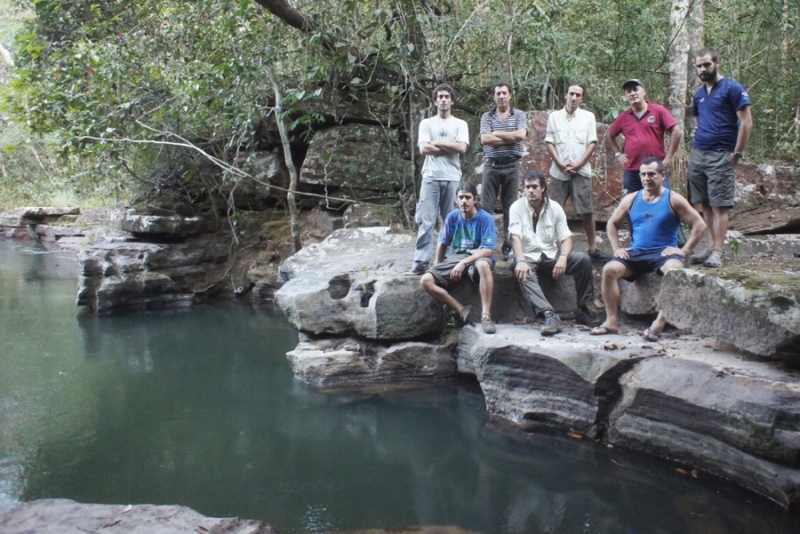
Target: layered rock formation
pixel 707 401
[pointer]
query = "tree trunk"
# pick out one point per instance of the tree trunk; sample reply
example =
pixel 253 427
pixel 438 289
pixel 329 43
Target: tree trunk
pixel 694 26
pixel 678 59
pixel 287 157
pixel 787 32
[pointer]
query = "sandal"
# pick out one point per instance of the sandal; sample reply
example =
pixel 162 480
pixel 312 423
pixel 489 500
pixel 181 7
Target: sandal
pixel 603 330
pixel 649 335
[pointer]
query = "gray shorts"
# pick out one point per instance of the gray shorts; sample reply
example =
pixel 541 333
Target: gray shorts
pixel 711 178
pixel 579 188
pixel 441 271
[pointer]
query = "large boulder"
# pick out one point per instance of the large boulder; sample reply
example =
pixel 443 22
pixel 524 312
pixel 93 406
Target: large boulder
pixel 353 283
pixel 355 156
pixel 121 275
pixel 161 226
pixel 736 418
pixel 343 362
pixel 640 297
pixel 566 381
pixel 754 308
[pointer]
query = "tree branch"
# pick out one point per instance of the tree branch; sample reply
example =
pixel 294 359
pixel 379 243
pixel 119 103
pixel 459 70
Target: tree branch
pixel 291 16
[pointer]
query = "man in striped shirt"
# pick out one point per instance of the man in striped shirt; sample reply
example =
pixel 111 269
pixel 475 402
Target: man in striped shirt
pixel 502 130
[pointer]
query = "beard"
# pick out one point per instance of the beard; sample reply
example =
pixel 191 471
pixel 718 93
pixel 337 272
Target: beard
pixel 708 75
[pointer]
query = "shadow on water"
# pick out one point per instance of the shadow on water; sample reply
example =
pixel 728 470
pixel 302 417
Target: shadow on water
pixel 199 407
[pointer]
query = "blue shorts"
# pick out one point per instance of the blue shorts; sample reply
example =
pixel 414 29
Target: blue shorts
pixel 646 261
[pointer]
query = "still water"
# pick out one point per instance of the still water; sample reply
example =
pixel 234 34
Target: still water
pixel 199 408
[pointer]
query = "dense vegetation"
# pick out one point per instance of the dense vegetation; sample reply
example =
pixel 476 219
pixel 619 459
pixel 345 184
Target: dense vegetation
pixel 104 94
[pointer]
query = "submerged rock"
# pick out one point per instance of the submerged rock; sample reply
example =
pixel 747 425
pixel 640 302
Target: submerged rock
pixel 62 516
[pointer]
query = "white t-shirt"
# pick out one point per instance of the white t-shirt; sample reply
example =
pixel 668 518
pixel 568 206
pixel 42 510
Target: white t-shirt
pixel 551 229
pixel 571 136
pixel 446 167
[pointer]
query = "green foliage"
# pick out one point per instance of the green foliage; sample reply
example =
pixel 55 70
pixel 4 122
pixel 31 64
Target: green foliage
pixel 112 82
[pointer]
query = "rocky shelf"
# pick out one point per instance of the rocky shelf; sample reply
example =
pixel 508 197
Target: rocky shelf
pixel 721 395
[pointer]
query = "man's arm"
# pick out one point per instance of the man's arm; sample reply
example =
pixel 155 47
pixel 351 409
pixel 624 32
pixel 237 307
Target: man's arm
pixel 429 149
pixel 611 226
pixel 451 147
pixel 572 168
pixel 441 249
pixel 504 138
pixel 675 134
pixel 689 215
pixel 611 141
pixel 521 270
pixel 561 263
pixel 551 150
pixel 745 127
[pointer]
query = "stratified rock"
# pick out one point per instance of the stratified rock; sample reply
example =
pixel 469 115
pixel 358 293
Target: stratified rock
pixel 366 215
pixel 566 381
pixel 353 283
pixel 265 170
pixel 22 217
pixel 342 362
pixel 641 296
pixel 756 185
pixel 734 418
pixel 159 226
pixel 756 310
pixel 767 219
pixel 356 156
pixel 62 516
pixel 123 276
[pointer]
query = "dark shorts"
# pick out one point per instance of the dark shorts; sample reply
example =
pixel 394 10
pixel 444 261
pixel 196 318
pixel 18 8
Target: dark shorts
pixel 646 261
pixel 632 182
pixel 578 188
pixel 441 271
pixel 711 178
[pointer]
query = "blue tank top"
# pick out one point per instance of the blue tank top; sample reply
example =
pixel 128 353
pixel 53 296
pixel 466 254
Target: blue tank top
pixel 655 226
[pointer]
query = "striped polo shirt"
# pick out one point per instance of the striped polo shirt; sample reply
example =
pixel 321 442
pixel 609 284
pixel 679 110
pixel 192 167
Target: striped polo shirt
pixel 490 122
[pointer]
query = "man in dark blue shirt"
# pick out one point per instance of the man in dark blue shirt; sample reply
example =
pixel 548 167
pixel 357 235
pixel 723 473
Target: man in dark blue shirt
pixel 723 122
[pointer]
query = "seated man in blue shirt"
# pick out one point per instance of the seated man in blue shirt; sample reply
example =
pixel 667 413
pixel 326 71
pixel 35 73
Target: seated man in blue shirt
pixel 655 213
pixel 472 233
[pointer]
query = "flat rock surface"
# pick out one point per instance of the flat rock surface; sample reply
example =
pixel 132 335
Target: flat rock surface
pixel 62 516
pixel 751 303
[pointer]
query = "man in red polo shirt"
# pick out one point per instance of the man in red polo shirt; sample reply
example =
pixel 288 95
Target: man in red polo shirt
pixel 643 127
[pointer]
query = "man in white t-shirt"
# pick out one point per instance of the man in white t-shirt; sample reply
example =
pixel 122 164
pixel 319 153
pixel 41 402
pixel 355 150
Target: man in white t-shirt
pixel 441 139
pixel 570 140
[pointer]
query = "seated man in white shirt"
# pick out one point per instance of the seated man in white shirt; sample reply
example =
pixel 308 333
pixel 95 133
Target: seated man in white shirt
pixel 542 245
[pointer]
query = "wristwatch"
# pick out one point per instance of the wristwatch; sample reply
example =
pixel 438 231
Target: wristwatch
pixel 616 154
pixel 738 155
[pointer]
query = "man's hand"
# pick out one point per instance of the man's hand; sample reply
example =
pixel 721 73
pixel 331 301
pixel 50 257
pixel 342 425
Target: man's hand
pixel 624 159
pixel 560 268
pixel 669 251
pixel 621 252
pixel 734 159
pixel 457 271
pixel 668 162
pixel 522 271
pixel 569 168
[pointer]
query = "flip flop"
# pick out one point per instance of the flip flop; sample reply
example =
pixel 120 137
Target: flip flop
pixel 602 331
pixel 713 262
pixel 649 335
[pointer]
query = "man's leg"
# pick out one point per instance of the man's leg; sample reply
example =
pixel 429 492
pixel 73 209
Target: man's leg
pixel 698 193
pixel 660 322
pixel 612 272
pixel 439 294
pixel 490 184
pixel 582 199
pixel 579 267
pixel 533 291
pixel 720 225
pixel 485 285
pixel 426 222
pixel 591 231
pixel 448 197
pixel 509 195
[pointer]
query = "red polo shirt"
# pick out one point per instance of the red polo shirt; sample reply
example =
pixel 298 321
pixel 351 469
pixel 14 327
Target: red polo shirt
pixel 644 136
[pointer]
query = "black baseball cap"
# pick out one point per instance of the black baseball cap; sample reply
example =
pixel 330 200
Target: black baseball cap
pixel 631 81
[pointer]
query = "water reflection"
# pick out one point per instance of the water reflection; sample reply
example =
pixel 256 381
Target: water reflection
pixel 200 408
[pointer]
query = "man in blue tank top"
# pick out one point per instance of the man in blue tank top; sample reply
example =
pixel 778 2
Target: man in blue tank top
pixel 655 213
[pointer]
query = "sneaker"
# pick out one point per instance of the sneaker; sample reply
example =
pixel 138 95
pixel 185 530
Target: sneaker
pixel 699 257
pixel 416 272
pixel 552 324
pixel 587 318
pixel 488 325
pixel 599 255
pixel 464 315
pixel 506 251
